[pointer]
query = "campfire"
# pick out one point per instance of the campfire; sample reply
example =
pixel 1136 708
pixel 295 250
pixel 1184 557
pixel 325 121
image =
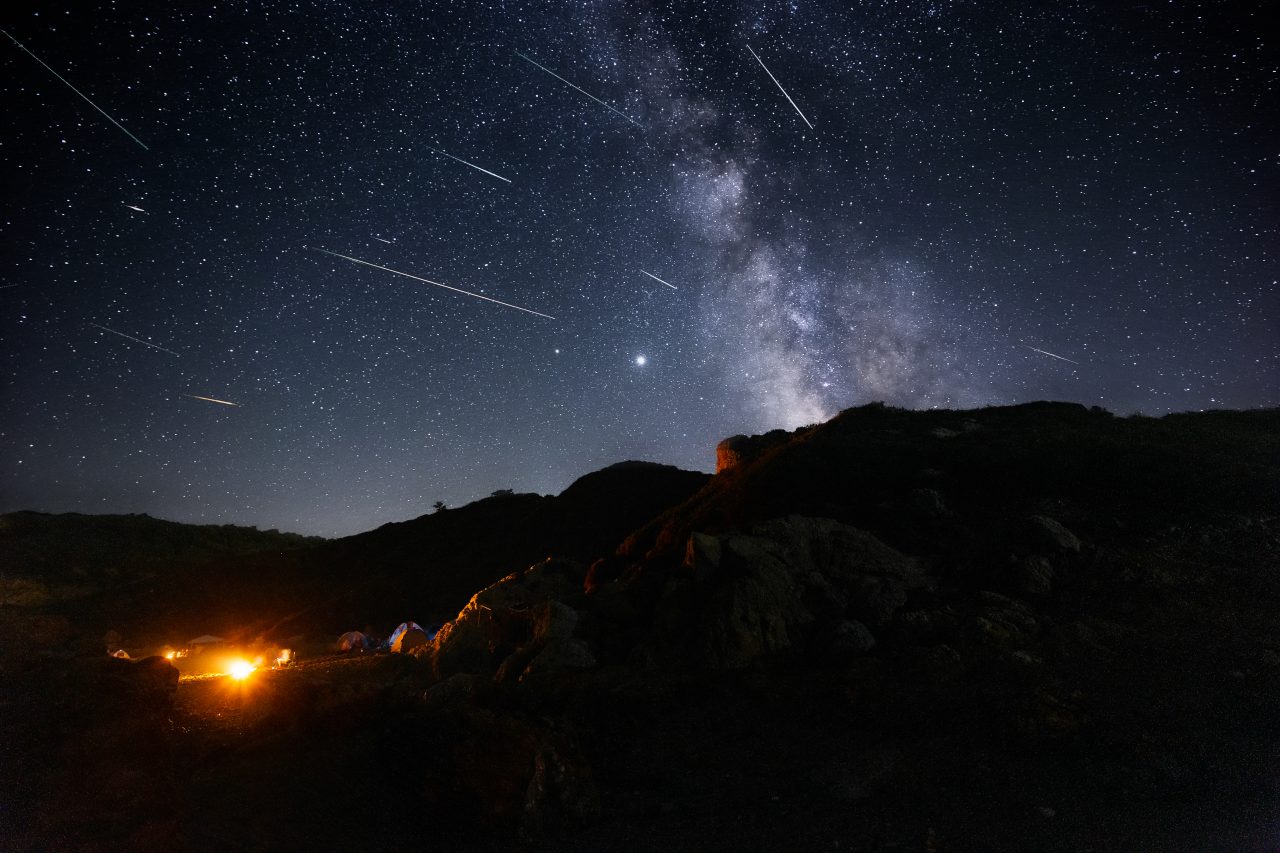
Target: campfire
pixel 240 669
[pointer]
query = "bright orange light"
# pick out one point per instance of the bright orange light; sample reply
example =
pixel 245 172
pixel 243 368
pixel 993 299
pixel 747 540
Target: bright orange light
pixel 170 655
pixel 240 670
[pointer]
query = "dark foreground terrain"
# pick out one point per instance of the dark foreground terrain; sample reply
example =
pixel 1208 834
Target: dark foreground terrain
pixel 1028 628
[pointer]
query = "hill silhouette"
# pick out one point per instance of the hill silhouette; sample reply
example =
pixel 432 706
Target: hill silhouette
pixel 158 581
pixel 869 465
pixel 428 567
pixel 104 549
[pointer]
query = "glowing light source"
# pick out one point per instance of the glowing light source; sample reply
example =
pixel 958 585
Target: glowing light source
pixel 240 670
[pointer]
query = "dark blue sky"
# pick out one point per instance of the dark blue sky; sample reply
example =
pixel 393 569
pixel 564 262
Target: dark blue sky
pixel 984 185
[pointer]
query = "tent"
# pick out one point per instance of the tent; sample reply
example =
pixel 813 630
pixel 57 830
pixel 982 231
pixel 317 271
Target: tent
pixel 204 642
pixel 408 636
pixel 353 641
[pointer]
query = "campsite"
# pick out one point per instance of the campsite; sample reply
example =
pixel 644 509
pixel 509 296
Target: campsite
pixel 1031 627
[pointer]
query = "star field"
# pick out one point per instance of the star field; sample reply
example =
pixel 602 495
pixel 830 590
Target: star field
pixel 996 202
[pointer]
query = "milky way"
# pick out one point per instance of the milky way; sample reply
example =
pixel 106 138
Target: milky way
pixel 712 221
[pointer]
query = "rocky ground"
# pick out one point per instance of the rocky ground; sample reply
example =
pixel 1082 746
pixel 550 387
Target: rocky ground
pixel 1020 629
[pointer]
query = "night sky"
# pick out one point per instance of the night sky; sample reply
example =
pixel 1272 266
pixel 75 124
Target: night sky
pixel 996 203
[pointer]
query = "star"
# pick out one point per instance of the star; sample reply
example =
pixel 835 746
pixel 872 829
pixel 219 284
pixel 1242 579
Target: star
pixel 902 250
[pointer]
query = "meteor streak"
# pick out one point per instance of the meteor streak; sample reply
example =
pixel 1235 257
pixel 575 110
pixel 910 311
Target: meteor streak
pixel 583 91
pixel 77 91
pixel 655 278
pixel 136 340
pixel 1051 355
pixel 465 163
pixel 429 281
pixel 214 400
pixel 135 207
pixel 779 85
pixel 388 242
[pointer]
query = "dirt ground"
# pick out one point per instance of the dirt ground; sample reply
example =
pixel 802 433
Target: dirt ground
pixel 994 758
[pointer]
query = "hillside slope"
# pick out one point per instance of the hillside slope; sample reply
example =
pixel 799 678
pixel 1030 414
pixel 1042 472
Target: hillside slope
pixel 70 555
pixel 882 469
pixel 157 581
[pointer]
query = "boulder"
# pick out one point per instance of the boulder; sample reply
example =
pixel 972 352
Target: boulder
pixel 522 775
pixel 703 552
pixel 821 596
pixel 554 620
pixel 1003 622
pixel 850 639
pixel 519 614
pixel 1033 576
pixel 873 577
pixel 923 627
pixel 453 691
pixel 1047 534
pixel 787 586
pixel 562 792
pixel 928 503
pixel 940 664
pixel 1049 714
pixel 559 655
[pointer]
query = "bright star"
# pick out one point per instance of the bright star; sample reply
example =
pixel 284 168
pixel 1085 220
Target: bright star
pixel 640 360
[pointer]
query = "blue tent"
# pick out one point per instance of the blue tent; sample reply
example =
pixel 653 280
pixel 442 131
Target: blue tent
pixel 353 641
pixel 396 641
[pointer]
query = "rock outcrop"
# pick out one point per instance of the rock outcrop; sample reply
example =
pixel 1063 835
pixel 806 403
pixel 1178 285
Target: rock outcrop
pixel 742 448
pixel 1048 534
pixel 524 623
pixel 793 585
pixel 527 777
